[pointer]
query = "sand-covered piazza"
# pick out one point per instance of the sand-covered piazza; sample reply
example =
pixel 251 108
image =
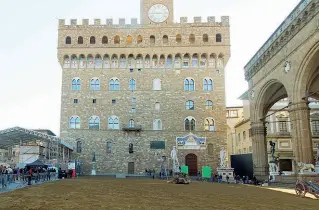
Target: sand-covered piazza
pixel 131 194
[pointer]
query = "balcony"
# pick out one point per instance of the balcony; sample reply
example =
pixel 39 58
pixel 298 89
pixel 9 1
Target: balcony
pixel 127 127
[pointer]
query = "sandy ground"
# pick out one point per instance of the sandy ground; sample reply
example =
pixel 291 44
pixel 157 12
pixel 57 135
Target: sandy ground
pixel 131 194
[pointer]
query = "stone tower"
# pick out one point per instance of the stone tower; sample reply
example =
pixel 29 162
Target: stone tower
pixel 130 92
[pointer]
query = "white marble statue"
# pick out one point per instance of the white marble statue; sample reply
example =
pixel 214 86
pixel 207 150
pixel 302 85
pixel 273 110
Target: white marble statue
pixel 287 66
pixel 304 167
pixel 222 157
pixel 175 160
pixel 273 168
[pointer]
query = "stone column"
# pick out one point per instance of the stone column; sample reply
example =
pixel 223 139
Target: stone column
pixel 260 156
pixel 301 132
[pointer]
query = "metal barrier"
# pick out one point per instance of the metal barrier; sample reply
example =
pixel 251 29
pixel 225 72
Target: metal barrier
pixel 9 182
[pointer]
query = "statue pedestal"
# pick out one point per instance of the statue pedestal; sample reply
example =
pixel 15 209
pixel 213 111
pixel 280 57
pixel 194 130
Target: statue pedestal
pixel 227 171
pixel 93 172
pixel 317 168
pixel 272 176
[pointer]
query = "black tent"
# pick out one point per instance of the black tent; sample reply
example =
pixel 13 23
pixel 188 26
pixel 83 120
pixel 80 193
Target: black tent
pixel 37 163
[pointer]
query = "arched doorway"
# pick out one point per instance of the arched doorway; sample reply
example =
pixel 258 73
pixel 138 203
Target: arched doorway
pixel 191 162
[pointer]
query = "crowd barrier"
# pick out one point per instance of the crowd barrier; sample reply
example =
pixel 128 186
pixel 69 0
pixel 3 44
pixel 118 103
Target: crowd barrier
pixel 9 182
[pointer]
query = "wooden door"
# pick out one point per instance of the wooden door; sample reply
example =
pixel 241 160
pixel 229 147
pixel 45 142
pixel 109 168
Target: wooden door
pixel 191 162
pixel 131 168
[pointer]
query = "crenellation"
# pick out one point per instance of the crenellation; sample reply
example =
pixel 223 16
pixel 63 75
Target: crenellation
pixel 197 19
pixel 109 22
pixel 61 22
pixel 85 22
pixel 225 20
pixel 211 19
pixel 122 21
pixel 133 21
pixel 97 22
pixel 183 20
pixel 73 22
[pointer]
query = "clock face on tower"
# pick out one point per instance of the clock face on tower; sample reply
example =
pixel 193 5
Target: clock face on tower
pixel 158 13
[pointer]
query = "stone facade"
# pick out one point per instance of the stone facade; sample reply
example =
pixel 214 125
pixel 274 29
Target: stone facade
pixel 148 61
pixel 286 66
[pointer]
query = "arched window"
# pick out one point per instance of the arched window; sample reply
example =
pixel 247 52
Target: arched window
pixel 139 61
pixel 98 62
pixel 208 85
pixel 131 123
pixel 74 122
pixel 165 39
pixel 190 105
pixel 117 39
pixel 80 40
pixel 192 38
pixel 209 124
pixel 177 61
pixel 82 62
pixel 195 61
pixel 131 61
pixel 147 62
pixel 157 84
pixel 154 61
pixel 189 85
pixel 152 39
pixel 115 61
pixel 76 84
pixel 94 123
pixel 186 61
pixel 92 40
pixel 212 61
pixel 205 38
pixel 105 40
pixel 157 106
pixel 68 40
pixel 189 124
pixel 66 61
pixel 129 40
pixel 209 105
pixel 74 62
pixel 113 123
pixel 122 61
pixel 114 84
pixel 203 61
pixel 157 125
pixel 106 62
pixel 139 39
pixel 79 146
pixel 178 38
pixel 161 61
pixel 132 84
pixel 90 63
pixel 95 84
pixel 218 38
pixel 220 61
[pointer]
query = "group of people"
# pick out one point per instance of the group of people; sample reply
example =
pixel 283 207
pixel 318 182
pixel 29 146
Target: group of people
pixel 27 174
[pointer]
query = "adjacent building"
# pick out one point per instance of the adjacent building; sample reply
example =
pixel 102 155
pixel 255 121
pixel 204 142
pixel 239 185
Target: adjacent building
pixel 132 91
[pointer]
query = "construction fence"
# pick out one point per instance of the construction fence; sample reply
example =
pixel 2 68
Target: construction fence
pixel 10 182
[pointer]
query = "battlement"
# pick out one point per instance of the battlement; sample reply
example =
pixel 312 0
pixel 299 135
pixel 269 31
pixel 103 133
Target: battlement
pixel 122 22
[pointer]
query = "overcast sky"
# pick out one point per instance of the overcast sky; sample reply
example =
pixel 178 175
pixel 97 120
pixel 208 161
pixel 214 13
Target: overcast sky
pixel 30 81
